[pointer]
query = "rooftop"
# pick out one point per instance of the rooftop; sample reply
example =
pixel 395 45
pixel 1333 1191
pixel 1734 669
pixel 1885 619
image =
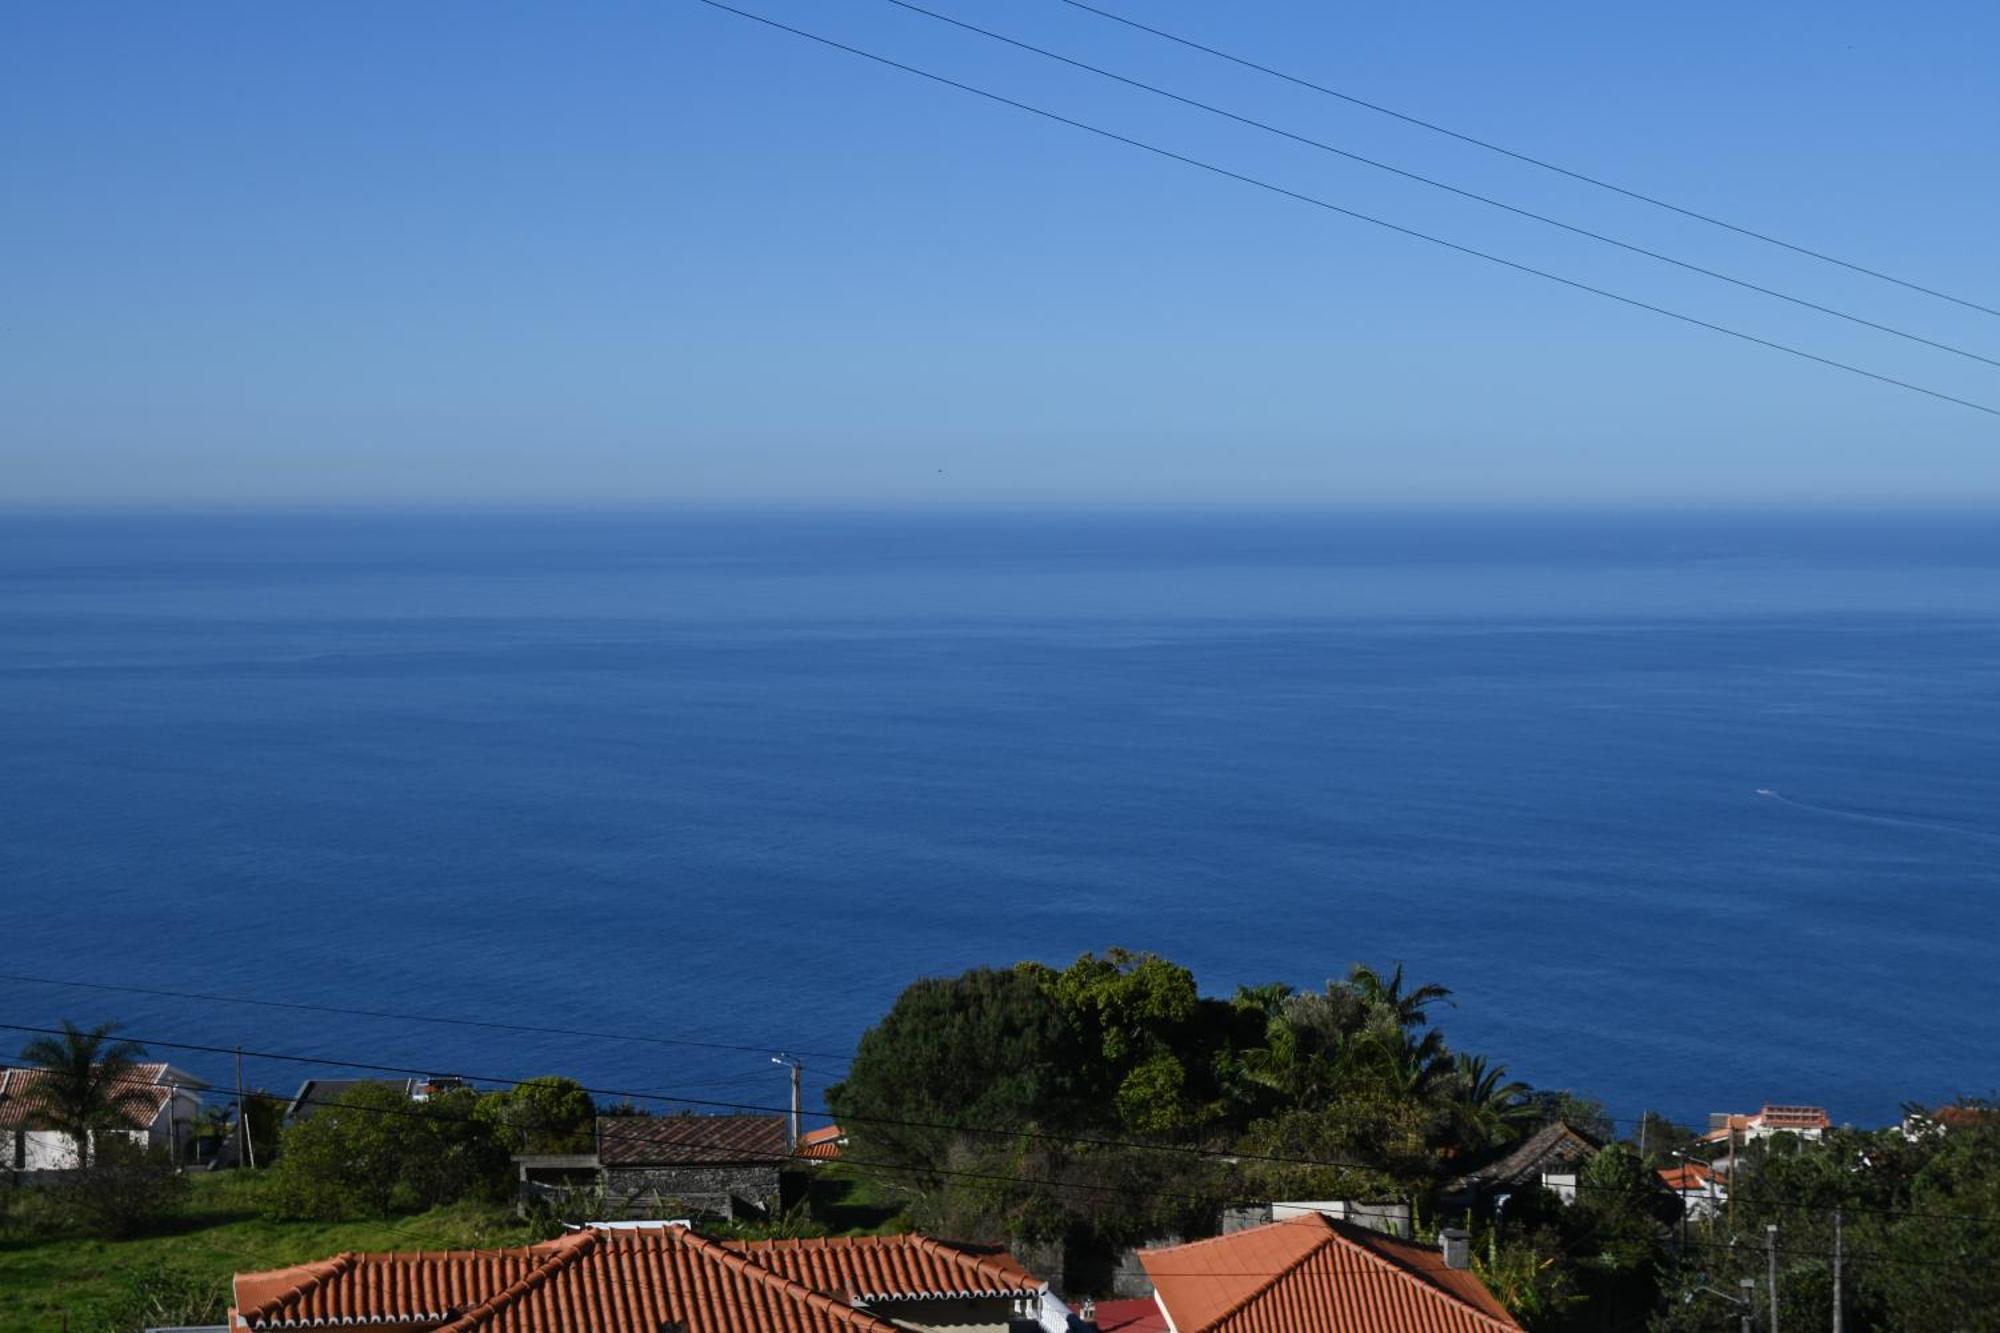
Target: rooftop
pixel 25 1101
pixel 626 1281
pixel 1314 1275
pixel 691 1140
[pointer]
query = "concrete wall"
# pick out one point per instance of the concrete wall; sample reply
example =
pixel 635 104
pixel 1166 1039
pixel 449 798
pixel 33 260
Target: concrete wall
pixel 51 1150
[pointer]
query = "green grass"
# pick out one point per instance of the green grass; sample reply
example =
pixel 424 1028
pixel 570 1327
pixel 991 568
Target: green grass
pixel 221 1233
pixel 852 1204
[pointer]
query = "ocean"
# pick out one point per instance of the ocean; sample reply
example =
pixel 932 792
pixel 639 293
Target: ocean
pixel 1692 811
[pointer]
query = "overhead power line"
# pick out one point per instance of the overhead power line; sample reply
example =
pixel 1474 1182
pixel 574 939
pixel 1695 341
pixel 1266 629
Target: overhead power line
pixel 1446 186
pixel 494 1025
pixel 1533 161
pixel 453 1020
pixel 1327 205
pixel 1026 1135
pixel 738 1152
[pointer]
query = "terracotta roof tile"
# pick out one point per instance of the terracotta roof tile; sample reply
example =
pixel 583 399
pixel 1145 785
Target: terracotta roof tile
pixel 1310 1274
pixel 892 1267
pixel 691 1140
pixel 820 1145
pixel 626 1281
pixel 24 1097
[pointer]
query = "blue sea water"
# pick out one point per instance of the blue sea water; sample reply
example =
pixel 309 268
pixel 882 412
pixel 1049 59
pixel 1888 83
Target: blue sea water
pixel 739 777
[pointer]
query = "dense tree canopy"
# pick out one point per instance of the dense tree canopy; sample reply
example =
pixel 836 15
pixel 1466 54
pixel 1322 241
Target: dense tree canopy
pixel 1036 1101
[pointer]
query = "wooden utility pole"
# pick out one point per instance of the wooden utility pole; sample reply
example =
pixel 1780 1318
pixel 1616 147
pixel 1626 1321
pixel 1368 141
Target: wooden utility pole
pixel 1771 1270
pixel 1836 1272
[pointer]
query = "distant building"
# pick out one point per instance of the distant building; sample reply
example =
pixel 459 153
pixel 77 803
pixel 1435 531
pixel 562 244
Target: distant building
pixel 1549 1159
pixel 673 1166
pixel 163 1116
pixel 1699 1187
pixel 1919 1123
pixel 1808 1122
pixel 821 1145
pixel 316 1094
pixel 1315 1275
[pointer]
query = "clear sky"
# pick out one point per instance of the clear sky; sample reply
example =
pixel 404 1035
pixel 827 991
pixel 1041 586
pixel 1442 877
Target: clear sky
pixel 631 253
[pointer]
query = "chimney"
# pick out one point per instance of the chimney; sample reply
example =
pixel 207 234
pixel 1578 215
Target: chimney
pixel 1456 1242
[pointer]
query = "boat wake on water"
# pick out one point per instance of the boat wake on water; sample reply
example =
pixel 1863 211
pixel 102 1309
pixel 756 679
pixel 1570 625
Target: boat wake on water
pixel 1893 821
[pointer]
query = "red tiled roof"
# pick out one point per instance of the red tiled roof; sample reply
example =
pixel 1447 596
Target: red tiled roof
pixel 1310 1274
pixel 604 1281
pixel 820 1145
pixel 892 1267
pixel 1687 1177
pixel 24 1097
pixel 627 1281
pixel 691 1140
pixel 1962 1117
pixel 1131 1317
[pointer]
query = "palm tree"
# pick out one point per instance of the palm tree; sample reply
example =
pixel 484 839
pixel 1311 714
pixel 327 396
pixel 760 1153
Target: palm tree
pixel 1487 1108
pixel 90 1082
pixel 1386 996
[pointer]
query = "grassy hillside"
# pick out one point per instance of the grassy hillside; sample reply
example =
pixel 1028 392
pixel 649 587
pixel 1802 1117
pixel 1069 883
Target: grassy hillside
pixel 182 1274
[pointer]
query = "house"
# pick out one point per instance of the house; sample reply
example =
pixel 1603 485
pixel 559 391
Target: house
pixel 1808 1122
pixel 1312 1274
pixel 164 1115
pixel 318 1093
pixel 1549 1158
pixel 673 1166
pixel 1699 1186
pixel 820 1145
pixel 1919 1123
pixel 659 1278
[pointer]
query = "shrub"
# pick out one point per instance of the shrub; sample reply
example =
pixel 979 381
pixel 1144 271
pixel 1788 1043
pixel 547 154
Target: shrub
pixel 125 1190
pixel 374 1151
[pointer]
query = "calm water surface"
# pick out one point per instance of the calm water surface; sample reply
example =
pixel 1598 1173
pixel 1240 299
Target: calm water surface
pixel 739 777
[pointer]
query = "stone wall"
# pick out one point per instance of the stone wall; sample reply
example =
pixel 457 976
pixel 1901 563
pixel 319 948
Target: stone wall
pixel 667 1192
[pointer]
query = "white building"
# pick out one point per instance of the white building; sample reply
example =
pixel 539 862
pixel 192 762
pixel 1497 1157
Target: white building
pixel 1808 1122
pixel 163 1114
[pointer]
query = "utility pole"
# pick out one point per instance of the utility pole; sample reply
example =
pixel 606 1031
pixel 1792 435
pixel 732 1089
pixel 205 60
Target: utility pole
pixel 1836 1271
pixel 1644 1116
pixel 1771 1270
pixel 244 1152
pixel 1732 1179
pixel 797 1070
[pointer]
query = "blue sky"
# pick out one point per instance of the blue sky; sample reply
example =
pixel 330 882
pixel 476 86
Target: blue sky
pixel 638 253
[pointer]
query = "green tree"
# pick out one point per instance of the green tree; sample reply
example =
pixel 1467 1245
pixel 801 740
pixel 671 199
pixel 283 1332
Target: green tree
pixel 90 1083
pixel 542 1115
pixel 345 1159
pixel 375 1151
pixel 988 1049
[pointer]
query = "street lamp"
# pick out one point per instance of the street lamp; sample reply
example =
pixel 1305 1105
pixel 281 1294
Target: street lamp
pixel 797 1070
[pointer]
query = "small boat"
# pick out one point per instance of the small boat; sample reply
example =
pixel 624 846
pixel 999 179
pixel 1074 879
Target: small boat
pixel 1765 791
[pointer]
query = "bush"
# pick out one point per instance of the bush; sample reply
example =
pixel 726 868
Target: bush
pixel 163 1297
pixel 375 1151
pixel 125 1190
